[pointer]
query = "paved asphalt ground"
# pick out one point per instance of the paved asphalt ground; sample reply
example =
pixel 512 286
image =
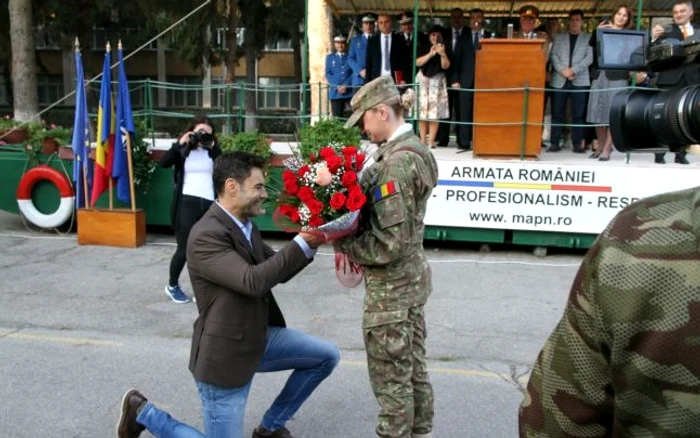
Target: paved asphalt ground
pixel 79 325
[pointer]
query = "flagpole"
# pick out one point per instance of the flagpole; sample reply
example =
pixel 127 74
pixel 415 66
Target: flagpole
pixel 85 184
pixel 128 159
pixel 131 171
pixel 109 177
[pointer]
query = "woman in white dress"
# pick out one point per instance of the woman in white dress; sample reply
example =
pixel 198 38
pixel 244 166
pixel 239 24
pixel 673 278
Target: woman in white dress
pixel 432 86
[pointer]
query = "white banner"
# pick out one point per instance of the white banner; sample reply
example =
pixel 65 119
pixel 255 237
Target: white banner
pixel 545 197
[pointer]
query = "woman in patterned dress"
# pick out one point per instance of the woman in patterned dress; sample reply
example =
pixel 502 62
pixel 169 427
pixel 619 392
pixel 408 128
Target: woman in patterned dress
pixel 599 102
pixel 432 86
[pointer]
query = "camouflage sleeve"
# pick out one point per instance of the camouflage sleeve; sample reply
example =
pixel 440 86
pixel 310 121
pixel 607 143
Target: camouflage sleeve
pixel 569 392
pixel 392 218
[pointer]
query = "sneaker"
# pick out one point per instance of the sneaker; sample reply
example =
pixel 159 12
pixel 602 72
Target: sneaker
pixel 176 294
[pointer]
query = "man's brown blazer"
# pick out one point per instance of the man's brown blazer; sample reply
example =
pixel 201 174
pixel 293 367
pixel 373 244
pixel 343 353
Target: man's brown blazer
pixel 232 283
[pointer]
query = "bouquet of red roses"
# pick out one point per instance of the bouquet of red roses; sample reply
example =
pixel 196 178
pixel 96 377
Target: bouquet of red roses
pixel 321 193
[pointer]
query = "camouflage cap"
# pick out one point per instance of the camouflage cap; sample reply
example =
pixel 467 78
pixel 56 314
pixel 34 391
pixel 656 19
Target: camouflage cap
pixel 370 95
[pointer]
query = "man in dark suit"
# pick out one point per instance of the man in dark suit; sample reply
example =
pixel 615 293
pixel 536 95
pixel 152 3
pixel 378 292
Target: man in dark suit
pixel 462 77
pixel 406 22
pixel 451 37
pixel 240 329
pixel 679 30
pixel 387 54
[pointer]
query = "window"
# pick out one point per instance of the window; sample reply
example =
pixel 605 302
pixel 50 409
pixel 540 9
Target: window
pixel 50 88
pixel 186 96
pixel 218 94
pixel 221 41
pixel 4 89
pixel 131 38
pixel 278 93
pixel 46 39
pixel 281 45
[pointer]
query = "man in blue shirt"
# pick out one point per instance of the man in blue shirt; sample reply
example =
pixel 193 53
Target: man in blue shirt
pixel 339 77
pixel 357 55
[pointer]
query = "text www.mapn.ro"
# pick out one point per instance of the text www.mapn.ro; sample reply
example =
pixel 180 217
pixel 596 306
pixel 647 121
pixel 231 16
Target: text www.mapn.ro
pixel 525 219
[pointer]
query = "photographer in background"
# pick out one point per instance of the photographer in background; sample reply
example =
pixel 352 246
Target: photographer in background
pixel 193 156
pixel 679 30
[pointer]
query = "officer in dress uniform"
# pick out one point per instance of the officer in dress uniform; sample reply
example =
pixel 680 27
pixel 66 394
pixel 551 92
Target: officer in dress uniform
pixel 389 246
pixel 529 16
pixel 339 77
pixel 406 22
pixel 357 53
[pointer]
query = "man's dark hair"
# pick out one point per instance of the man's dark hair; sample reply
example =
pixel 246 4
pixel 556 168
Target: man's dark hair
pixel 460 10
pixel 237 165
pixel 577 12
pixel 476 11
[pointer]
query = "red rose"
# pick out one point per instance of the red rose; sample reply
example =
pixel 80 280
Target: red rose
pixel 326 152
pixel 315 221
pixel 356 199
pixel 303 170
pixel 360 160
pixel 312 158
pixel 294 215
pixel 306 194
pixel 349 150
pixel 337 201
pixel 291 187
pixel 288 175
pixel 334 162
pixel 314 206
pixel 349 178
pixel 285 209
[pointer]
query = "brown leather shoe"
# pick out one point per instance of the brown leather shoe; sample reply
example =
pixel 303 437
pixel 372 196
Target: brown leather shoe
pixel 261 432
pixel 127 426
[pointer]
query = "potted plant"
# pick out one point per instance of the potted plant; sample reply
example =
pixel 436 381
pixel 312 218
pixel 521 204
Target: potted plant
pixel 12 131
pixel 49 137
pixel 324 133
pixel 254 142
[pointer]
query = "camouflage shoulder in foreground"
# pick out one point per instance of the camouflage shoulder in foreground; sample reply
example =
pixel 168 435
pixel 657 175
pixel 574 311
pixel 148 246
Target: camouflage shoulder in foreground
pixel 625 358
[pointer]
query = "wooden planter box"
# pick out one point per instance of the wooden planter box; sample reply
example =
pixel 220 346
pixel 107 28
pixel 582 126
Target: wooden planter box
pixel 120 227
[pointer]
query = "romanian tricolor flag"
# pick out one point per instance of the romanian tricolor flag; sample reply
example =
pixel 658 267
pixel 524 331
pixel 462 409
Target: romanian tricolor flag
pixel 384 191
pixel 104 152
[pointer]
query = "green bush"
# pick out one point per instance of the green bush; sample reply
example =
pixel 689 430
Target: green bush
pixel 253 142
pixel 324 133
pixel 141 160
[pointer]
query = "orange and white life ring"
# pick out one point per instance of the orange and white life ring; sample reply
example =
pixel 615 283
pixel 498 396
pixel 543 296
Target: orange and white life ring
pixel 24 196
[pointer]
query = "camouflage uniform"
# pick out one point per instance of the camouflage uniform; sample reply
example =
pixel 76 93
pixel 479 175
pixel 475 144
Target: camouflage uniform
pixel 625 358
pixel 397 275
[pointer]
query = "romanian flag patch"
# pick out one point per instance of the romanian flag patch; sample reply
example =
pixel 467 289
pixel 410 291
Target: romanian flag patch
pixel 384 191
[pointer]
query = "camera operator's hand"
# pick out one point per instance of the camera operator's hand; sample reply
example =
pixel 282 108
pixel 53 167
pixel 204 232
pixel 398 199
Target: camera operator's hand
pixel 657 32
pixel 605 24
pixel 185 139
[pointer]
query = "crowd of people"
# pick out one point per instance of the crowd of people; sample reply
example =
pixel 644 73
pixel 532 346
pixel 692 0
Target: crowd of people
pixel 578 93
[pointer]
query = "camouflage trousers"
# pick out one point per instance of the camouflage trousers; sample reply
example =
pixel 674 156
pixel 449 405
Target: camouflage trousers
pixel 395 343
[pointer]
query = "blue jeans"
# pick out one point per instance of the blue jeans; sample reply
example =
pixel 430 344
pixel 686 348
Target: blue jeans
pixel 223 409
pixel 578 112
